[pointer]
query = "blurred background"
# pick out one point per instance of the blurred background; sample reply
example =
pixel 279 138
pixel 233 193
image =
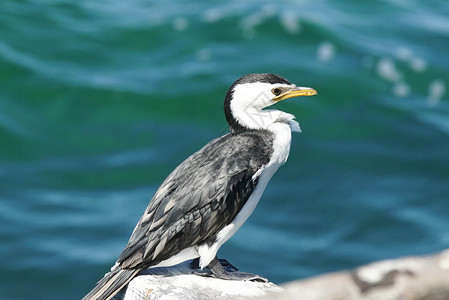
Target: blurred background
pixel 100 100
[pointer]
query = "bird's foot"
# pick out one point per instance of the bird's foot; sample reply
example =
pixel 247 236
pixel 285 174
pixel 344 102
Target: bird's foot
pixel 195 265
pixel 222 269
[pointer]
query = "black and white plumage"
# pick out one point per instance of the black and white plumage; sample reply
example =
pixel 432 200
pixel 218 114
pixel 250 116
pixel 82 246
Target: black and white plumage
pixel 203 202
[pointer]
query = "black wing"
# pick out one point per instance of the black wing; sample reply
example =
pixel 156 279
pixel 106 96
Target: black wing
pixel 215 181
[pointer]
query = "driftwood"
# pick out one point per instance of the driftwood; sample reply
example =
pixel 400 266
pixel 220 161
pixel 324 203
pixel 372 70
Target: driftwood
pixel 178 282
pixel 409 278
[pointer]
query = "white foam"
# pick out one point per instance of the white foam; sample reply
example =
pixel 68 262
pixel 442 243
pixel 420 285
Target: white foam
pixel 213 15
pixel 387 70
pixel 180 24
pixel 437 89
pixel 401 89
pixel 418 64
pixel 290 22
pixel 403 53
pixel 325 51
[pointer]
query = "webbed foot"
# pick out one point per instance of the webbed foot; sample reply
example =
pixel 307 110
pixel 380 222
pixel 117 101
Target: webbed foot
pixel 222 269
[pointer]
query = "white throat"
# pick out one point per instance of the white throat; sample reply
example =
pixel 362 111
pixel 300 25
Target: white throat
pixel 254 118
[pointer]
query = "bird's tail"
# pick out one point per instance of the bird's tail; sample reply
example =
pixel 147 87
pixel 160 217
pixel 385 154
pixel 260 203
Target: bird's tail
pixel 111 284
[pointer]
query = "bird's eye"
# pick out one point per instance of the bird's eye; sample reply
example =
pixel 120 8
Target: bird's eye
pixel 276 91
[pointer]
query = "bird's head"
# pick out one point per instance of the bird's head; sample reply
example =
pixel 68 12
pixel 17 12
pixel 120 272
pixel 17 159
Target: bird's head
pixel 250 94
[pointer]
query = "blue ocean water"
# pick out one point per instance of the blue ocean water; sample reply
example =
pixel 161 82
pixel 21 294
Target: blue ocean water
pixel 100 100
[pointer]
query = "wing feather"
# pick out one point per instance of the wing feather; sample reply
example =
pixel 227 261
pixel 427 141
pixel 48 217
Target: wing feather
pixel 199 198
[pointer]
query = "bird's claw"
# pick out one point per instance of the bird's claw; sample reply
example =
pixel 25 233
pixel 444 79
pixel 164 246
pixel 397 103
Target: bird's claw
pixel 222 269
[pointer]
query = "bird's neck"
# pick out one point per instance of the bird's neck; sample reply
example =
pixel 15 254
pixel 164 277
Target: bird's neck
pixel 256 119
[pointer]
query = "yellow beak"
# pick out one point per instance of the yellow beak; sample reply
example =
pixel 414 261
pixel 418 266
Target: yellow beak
pixel 296 92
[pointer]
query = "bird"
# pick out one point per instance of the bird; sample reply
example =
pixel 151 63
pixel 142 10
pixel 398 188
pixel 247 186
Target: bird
pixel 208 197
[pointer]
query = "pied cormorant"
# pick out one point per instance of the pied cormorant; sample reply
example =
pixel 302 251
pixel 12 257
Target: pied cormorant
pixel 210 195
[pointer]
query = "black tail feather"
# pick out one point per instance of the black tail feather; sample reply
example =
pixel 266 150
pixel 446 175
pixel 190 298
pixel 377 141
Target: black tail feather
pixel 111 284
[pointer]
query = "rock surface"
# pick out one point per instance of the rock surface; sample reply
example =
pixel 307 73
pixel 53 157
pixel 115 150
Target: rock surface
pixel 178 282
pixel 408 278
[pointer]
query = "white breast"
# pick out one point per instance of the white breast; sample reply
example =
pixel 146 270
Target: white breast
pixel 281 149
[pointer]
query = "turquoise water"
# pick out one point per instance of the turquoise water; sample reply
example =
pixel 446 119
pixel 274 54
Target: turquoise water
pixel 100 100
